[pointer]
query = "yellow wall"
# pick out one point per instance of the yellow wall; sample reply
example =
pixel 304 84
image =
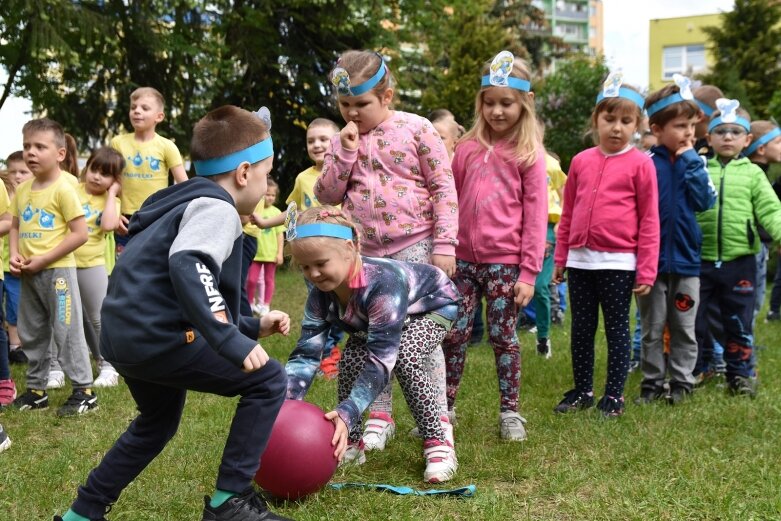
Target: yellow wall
pixel 597 42
pixel 665 32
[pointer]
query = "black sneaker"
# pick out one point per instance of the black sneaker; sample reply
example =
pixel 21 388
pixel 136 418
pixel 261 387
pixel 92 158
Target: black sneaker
pixel 743 386
pixel 649 395
pixel 58 518
pixel 17 356
pixel 611 406
pixel 5 441
pixel 773 316
pixel 78 402
pixel 544 347
pixel 574 400
pixel 247 506
pixel 678 394
pixel 30 400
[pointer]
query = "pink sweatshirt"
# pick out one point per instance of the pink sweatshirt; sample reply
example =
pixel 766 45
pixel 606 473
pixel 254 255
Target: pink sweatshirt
pixel 611 205
pixel 397 187
pixel 503 214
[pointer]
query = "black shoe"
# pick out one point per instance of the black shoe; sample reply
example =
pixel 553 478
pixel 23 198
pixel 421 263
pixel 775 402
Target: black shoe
pixel 611 406
pixel 678 394
pixel 544 347
pixel 574 400
pixel 648 395
pixel 772 316
pixel 30 400
pixel 17 356
pixel 743 386
pixel 247 506
pixel 78 403
pixel 634 365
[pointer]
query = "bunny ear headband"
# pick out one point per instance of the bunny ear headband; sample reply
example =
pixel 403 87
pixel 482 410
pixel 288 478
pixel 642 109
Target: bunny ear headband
pixel 340 79
pixel 293 231
pixel 684 94
pixel 252 154
pixel 499 74
pixel 729 114
pixel 612 88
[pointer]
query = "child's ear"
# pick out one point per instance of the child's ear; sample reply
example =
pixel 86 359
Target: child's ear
pixel 241 176
pixel 159 117
pixel 656 130
pixel 386 97
pixel 61 153
pixel 707 136
pixel 749 139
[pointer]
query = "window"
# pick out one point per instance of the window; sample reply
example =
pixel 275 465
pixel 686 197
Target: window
pixel 684 59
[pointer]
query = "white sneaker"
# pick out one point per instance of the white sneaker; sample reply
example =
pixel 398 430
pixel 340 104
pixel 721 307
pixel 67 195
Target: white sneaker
pixel 5 441
pixel 446 425
pixel 379 429
pixel 56 380
pixel 264 309
pixel 255 307
pixel 511 426
pixel 108 377
pixel 354 455
pixel 441 462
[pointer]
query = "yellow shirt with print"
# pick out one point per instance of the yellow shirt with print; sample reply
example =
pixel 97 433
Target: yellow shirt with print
pixel 146 167
pixel 5 207
pixel 44 216
pixel 304 189
pixel 556 180
pixel 93 252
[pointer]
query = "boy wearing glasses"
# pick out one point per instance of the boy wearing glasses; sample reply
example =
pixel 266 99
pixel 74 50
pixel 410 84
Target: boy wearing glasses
pixel 730 241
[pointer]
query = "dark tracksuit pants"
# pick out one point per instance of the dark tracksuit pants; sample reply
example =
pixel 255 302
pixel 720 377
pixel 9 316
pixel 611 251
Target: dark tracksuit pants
pixel 249 247
pixel 731 288
pixel 160 400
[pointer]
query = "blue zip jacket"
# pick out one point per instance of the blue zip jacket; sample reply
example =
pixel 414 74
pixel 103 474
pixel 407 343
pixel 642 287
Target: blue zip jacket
pixel 684 189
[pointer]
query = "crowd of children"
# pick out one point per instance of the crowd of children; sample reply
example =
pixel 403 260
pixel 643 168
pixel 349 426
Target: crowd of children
pixel 419 224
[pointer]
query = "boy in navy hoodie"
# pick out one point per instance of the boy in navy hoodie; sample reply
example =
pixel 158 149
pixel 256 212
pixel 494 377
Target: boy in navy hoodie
pixel 684 188
pixel 171 321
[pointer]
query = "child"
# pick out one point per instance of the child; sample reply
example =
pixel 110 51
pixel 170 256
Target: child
pixel 392 172
pixel 268 256
pixel 7 386
pixel 98 195
pixel 148 155
pixel 48 225
pixel 705 96
pixel 318 139
pixel 730 243
pixel 171 321
pixel 499 168
pixel 396 314
pixel 608 239
pixel 17 174
pixel 684 188
pixel 448 129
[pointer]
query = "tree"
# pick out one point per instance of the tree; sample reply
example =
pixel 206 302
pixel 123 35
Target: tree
pixel 746 48
pixel 565 103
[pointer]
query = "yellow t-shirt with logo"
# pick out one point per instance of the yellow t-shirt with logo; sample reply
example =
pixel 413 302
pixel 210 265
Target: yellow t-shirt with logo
pixel 44 216
pixel 146 167
pixel 304 189
pixel 267 239
pixel 5 207
pixel 93 252
pixel 556 180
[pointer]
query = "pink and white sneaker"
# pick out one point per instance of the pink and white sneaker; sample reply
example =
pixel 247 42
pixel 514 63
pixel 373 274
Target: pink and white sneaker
pixel 354 455
pixel 7 392
pixel 380 428
pixel 441 462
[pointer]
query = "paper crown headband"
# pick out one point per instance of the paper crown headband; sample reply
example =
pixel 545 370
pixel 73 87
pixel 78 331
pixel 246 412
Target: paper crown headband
pixel 612 88
pixel 729 114
pixel 764 140
pixel 340 78
pixel 252 154
pixel 499 74
pixel 684 94
pixel 294 231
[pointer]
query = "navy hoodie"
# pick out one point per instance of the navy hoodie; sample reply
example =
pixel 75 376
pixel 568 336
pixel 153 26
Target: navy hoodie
pixel 178 282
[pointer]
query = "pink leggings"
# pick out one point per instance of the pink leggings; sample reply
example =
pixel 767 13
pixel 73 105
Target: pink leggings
pixel 267 270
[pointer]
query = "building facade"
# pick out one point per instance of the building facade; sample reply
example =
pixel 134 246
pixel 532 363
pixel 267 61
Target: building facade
pixel 577 22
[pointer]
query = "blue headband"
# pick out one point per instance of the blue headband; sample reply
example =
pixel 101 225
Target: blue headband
pixel 764 140
pixel 704 107
pixel 513 83
pixel 220 165
pixel 626 93
pixel 743 122
pixel 336 231
pixel 341 80
pixel 666 102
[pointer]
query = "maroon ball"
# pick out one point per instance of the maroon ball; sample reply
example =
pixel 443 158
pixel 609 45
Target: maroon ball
pixel 299 458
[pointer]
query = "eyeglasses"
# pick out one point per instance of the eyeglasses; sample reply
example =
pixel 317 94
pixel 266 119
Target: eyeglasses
pixel 723 131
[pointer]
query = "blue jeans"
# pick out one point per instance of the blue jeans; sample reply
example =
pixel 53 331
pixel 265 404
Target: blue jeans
pixel 759 298
pixel 637 338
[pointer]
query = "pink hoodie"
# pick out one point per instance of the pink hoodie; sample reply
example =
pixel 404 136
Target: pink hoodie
pixel 611 204
pixel 398 186
pixel 503 207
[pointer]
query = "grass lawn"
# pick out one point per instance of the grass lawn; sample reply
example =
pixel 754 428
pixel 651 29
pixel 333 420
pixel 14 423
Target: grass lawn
pixel 715 457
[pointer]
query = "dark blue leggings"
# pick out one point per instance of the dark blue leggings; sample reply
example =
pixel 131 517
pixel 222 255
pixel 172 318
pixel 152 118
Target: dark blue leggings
pixel 5 370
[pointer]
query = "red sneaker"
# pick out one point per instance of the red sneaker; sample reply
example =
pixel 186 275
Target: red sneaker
pixel 7 392
pixel 330 364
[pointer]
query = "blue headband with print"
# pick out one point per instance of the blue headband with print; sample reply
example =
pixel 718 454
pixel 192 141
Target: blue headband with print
pixel 499 74
pixel 340 78
pixel 612 89
pixel 729 114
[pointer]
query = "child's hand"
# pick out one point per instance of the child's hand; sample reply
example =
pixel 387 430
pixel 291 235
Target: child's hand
pixel 115 189
pixel 339 441
pixel 446 263
pixel 34 264
pixel 255 360
pixel 15 264
pixel 122 228
pixel 254 219
pixel 274 322
pixel 349 136
pixel 641 290
pixel 523 293
pixel 558 275
pixel 280 259
pixel 689 145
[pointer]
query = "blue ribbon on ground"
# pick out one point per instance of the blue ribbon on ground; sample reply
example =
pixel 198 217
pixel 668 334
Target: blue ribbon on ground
pixel 467 491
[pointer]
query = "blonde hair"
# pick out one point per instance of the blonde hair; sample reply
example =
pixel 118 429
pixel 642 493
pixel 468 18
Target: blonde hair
pixel 151 92
pixel 330 215
pixel 362 65
pixel 9 185
pixel 761 127
pixel 525 133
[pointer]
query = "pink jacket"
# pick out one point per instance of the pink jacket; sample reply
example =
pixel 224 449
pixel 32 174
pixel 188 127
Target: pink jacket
pixel 503 208
pixel 398 186
pixel 611 205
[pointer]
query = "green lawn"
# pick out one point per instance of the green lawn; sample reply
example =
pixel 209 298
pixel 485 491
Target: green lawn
pixel 714 457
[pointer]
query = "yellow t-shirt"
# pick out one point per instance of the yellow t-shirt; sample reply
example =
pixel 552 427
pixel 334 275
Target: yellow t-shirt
pixel 93 252
pixel 44 216
pixel 146 167
pixel 267 239
pixel 556 180
pixel 304 189
pixel 6 254
pixel 249 228
pixel 5 207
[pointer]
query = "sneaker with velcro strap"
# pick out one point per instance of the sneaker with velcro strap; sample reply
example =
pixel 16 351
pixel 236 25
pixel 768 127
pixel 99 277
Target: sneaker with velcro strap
pixel 79 402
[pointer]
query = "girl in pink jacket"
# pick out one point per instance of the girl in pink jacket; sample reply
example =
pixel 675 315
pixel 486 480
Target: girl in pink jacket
pixel 499 167
pixel 608 241
pixel 391 172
